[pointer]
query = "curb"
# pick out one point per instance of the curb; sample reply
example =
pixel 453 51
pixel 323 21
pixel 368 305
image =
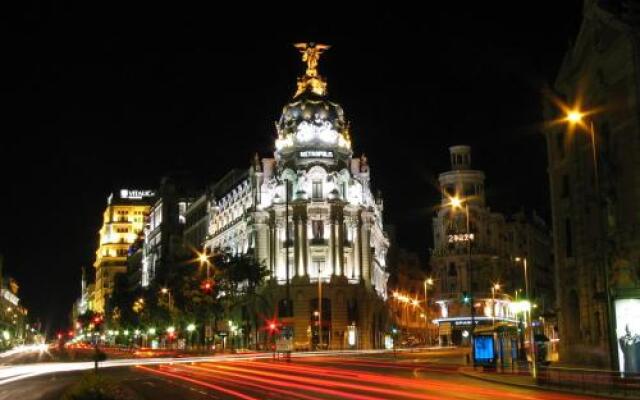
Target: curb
pixel 540 387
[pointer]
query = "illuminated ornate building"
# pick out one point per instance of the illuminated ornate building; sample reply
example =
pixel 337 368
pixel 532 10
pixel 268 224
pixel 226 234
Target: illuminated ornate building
pixel 491 244
pixel 309 214
pixel 123 221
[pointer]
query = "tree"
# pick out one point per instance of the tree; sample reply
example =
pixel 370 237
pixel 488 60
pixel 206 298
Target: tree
pixel 241 277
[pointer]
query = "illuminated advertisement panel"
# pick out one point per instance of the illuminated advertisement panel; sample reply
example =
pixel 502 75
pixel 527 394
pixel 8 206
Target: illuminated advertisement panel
pixel 628 334
pixel 484 348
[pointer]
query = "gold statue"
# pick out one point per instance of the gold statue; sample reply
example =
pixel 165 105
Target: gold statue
pixel 311 54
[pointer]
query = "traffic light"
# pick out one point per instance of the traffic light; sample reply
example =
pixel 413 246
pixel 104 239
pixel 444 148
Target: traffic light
pixel 272 326
pixel 207 286
pixel 465 298
pixel 98 320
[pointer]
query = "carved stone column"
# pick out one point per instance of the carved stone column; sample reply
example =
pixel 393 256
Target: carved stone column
pixel 340 228
pixel 366 249
pixel 357 241
pixel 332 239
pixel 296 244
pixel 305 242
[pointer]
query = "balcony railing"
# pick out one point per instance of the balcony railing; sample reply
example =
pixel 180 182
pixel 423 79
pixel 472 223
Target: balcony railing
pixel 318 242
pixel 591 381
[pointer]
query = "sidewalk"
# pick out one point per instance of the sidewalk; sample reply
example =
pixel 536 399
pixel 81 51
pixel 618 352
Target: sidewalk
pixel 526 381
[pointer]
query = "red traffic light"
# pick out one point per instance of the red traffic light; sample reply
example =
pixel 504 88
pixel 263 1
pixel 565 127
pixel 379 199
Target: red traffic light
pixel 207 285
pixel 272 326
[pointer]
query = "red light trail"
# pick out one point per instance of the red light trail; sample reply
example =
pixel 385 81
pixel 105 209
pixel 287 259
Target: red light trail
pixel 309 381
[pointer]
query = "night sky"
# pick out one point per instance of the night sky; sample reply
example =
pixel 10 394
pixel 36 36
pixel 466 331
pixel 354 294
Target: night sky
pixel 98 98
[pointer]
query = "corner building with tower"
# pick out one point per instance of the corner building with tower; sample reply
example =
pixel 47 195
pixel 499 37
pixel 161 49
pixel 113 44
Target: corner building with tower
pixel 310 216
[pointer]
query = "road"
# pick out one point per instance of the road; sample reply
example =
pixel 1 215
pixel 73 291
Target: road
pixel 377 376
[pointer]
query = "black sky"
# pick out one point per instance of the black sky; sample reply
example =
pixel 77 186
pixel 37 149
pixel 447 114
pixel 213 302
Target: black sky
pixel 97 98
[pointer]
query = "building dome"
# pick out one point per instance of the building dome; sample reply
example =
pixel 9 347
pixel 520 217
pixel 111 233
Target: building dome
pixel 312 129
pixel 311 110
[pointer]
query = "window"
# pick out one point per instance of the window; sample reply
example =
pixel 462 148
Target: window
pixel 452 269
pixel 289 189
pixel 318 267
pixel 469 190
pixel 560 143
pixel 566 191
pixel 568 239
pixel 317 190
pixel 317 228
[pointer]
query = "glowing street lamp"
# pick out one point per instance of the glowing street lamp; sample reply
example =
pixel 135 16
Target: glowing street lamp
pixel 494 289
pixel 575 116
pixel 456 203
pixel 167 292
pixel 526 307
pixel 204 260
pixel 427 283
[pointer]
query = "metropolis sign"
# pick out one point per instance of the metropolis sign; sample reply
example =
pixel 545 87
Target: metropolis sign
pixel 316 154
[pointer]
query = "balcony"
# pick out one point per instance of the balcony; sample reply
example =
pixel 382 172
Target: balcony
pixel 317 242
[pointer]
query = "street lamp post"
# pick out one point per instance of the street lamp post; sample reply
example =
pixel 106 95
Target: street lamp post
pixel 577 117
pixel 534 369
pixel 204 260
pixel 456 202
pixel 427 282
pixel 190 328
pixel 167 292
pixel 494 288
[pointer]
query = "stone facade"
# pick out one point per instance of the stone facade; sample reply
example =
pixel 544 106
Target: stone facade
pixel 594 174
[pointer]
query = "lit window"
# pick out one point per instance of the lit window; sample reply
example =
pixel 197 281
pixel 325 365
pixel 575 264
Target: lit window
pixel 317 189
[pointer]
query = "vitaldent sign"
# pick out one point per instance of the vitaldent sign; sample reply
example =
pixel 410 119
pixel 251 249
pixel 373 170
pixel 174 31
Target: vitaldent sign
pixel 10 297
pixel 135 194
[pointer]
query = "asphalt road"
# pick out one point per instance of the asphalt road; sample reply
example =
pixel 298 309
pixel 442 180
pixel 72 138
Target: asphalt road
pixel 410 376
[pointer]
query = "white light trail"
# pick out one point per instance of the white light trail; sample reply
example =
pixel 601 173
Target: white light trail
pixel 14 373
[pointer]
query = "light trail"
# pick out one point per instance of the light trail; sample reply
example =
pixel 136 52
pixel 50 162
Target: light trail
pixel 14 373
pixel 313 376
pixel 453 389
pixel 293 385
pixel 319 383
pixel 25 349
pixel 201 383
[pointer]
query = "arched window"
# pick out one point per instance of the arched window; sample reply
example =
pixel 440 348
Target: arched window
pixel 573 315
